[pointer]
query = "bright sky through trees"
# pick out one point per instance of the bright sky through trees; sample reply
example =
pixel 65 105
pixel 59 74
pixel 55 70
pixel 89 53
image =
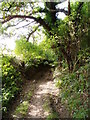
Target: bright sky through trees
pixel 10 41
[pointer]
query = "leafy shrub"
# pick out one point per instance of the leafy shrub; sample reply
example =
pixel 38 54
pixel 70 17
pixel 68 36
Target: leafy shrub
pixel 11 80
pixel 34 54
pixel 74 91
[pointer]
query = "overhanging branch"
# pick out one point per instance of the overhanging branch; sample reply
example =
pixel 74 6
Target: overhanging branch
pixel 25 25
pixel 38 20
pixel 51 10
pixel 32 32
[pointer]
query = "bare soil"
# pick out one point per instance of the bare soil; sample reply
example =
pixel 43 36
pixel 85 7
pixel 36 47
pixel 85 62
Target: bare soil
pixel 44 98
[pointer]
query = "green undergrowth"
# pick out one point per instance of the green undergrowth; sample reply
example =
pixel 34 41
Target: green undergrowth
pixel 11 82
pixel 27 55
pixel 34 54
pixel 74 90
pixel 22 109
pixel 46 105
pixel 53 116
pixel 48 108
pixel 29 95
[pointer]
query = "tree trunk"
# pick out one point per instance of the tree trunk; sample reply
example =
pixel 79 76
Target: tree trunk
pixel 68 58
pixel 69 10
pixel 52 11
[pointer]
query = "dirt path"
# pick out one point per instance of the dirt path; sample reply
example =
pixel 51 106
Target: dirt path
pixel 44 89
pixel 37 93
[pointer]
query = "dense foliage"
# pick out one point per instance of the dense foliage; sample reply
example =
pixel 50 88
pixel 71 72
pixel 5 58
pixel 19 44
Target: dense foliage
pixel 11 80
pixel 35 54
pixel 70 45
pixel 74 90
pixel 71 36
pixel 74 86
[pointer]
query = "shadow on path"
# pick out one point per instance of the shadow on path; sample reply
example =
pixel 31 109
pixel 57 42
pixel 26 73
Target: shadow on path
pixel 43 88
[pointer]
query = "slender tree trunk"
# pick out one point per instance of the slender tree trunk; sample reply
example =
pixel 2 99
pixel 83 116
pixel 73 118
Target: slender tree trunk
pixel 69 10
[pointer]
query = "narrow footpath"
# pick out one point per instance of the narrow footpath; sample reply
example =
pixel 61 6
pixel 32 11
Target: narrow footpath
pixel 39 98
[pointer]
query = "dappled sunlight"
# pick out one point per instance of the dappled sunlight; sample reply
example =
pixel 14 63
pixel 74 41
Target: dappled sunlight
pixel 36 111
pixel 38 96
pixel 44 90
pixel 48 88
pixel 37 91
pixel 45 54
pixel 21 109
